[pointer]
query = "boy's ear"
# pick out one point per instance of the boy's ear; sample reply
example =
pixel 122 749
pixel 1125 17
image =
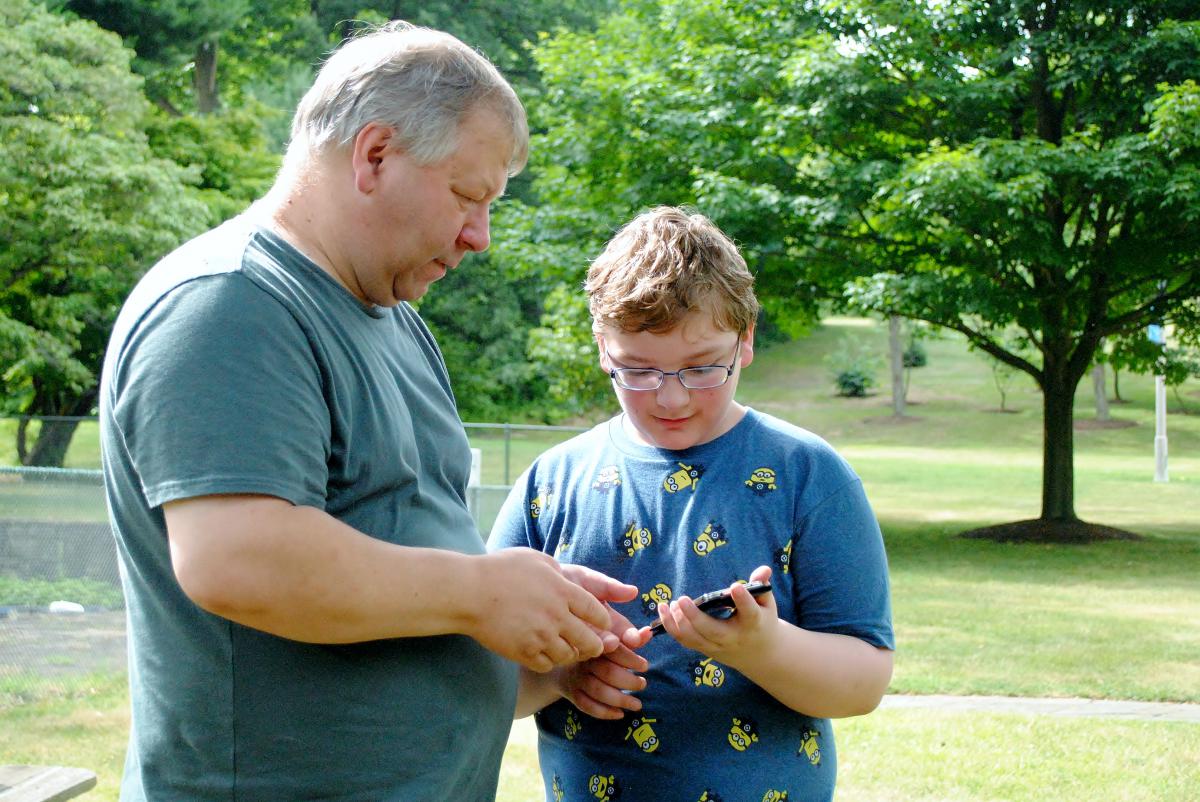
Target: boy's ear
pixel 747 352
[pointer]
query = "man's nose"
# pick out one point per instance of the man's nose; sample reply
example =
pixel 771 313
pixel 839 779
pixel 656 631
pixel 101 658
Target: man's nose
pixel 476 234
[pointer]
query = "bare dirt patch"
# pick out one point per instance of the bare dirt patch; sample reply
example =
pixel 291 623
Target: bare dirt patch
pixel 50 645
pixel 1085 424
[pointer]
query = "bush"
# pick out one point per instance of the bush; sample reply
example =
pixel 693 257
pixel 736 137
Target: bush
pixel 853 371
pixel 915 356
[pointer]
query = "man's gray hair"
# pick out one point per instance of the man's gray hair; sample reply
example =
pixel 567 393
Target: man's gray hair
pixel 419 81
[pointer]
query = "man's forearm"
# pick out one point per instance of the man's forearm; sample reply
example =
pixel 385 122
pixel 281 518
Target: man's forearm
pixel 299 573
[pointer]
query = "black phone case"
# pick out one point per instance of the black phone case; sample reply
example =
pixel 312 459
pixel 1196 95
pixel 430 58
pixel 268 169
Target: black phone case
pixel 717 601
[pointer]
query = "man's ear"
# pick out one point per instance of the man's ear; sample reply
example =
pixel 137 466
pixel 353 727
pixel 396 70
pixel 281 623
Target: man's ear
pixel 370 144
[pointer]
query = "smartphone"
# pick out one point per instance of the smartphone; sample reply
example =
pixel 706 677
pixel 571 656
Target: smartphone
pixel 718 603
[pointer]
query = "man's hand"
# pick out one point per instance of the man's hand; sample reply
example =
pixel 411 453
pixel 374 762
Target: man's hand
pixel 527 610
pixel 606 589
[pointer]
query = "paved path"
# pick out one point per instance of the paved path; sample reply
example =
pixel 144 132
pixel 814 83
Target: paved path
pixel 1089 708
pixel 525 733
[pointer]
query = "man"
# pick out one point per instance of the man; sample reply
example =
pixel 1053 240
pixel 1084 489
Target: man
pixel 312 613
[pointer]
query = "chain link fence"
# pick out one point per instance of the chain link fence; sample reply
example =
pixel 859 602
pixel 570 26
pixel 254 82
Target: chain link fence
pixel 61 608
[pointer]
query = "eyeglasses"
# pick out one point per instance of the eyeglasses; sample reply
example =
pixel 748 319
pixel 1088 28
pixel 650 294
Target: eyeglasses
pixel 703 377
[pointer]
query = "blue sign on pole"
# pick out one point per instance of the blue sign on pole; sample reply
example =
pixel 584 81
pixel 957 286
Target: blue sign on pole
pixel 1155 333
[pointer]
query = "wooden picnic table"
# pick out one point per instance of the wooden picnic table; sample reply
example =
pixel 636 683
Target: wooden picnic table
pixel 43 783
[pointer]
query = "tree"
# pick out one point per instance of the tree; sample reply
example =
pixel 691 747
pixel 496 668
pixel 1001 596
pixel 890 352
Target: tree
pixel 1066 207
pixel 84 209
pixel 976 165
pixel 172 38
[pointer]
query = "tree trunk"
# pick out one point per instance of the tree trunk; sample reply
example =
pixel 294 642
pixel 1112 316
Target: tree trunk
pixel 896 357
pixel 1117 386
pixel 1058 446
pixel 205 76
pixel 53 440
pixel 1100 391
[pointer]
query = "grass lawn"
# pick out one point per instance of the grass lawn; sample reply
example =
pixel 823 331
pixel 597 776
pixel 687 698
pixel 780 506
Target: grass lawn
pixel 1117 620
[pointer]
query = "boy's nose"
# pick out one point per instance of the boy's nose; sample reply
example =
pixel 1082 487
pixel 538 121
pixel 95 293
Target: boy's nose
pixel 672 393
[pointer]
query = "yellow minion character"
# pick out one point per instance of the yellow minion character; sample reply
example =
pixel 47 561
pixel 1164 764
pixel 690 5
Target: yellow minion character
pixel 643 734
pixel 538 503
pixel 810 746
pixel 783 557
pixel 635 539
pixel 556 788
pixel 706 672
pixel 709 796
pixel 762 481
pixel 742 734
pixel 604 787
pixel 608 478
pixel 562 546
pixel 775 796
pixel 572 727
pixel 687 476
pixel 659 594
pixel 711 539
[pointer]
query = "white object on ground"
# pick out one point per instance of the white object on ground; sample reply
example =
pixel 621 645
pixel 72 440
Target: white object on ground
pixel 65 607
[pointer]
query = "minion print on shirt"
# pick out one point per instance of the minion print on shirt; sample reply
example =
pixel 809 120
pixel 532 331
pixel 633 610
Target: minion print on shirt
pixel 742 734
pixel 538 502
pixel 641 733
pixel 711 539
pixel 706 673
pixel 607 479
pixel 659 594
pixel 762 481
pixel 687 477
pixel 635 539
pixel 783 558
pixel 604 787
pixel 572 726
pixel 810 746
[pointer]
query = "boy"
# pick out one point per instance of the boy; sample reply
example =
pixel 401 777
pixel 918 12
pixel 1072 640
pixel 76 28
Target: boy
pixel 685 492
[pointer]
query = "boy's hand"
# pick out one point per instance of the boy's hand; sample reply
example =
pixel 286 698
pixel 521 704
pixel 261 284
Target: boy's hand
pixel 725 640
pixel 598 686
pixel 607 589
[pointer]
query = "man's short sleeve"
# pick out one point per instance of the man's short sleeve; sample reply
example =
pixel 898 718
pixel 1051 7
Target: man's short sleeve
pixel 217 391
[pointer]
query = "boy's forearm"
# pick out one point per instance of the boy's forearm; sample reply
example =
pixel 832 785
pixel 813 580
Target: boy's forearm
pixel 820 674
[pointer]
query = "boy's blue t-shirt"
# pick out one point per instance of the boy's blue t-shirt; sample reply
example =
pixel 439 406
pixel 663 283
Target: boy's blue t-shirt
pixel 239 366
pixel 687 522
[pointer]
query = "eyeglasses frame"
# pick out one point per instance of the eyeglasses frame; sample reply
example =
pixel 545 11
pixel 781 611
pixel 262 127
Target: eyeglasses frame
pixel 663 374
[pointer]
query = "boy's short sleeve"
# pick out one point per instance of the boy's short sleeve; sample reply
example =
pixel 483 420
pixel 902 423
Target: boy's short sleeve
pixel 842 575
pixel 513 525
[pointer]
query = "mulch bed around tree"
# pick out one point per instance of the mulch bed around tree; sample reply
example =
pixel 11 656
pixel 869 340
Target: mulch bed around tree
pixel 1039 530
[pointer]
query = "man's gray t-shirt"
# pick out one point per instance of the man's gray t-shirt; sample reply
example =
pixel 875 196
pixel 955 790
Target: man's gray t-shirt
pixel 239 366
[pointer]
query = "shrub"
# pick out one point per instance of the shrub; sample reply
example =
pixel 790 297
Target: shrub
pixel 853 371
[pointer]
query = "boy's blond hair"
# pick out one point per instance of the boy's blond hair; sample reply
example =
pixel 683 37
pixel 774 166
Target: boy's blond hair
pixel 664 264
